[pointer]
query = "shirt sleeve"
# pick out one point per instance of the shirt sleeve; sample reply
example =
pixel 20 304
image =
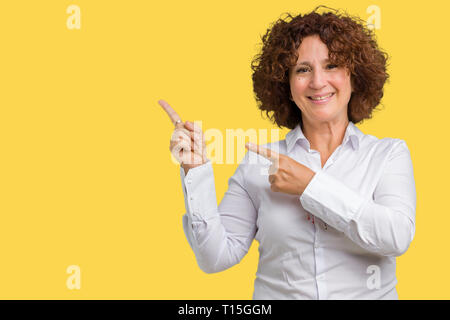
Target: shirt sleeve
pixel 383 224
pixel 219 236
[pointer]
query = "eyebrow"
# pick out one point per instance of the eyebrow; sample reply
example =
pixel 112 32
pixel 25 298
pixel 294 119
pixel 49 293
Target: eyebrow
pixel 309 64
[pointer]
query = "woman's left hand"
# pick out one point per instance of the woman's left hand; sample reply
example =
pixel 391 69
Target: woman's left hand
pixel 285 174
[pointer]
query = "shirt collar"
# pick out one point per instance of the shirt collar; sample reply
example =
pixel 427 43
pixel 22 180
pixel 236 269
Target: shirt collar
pixel 352 134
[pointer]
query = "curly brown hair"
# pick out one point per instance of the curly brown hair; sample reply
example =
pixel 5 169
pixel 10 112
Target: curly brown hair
pixel 350 44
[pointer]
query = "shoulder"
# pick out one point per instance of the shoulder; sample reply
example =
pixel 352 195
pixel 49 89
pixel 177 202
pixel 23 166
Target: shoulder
pixel 385 147
pixel 369 141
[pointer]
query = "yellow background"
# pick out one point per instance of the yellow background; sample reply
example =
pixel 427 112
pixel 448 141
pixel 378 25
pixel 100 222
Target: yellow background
pixel 86 176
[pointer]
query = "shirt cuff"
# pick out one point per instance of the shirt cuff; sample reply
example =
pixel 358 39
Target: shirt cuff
pixel 199 191
pixel 332 201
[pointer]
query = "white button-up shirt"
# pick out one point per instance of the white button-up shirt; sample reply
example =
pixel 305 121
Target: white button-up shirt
pixel 363 203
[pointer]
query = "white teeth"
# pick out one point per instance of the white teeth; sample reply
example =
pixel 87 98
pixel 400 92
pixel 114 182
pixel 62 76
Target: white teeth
pixel 322 98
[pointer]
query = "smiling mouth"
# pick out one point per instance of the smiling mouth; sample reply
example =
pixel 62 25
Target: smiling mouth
pixel 323 98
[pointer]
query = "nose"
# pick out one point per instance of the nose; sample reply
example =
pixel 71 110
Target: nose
pixel 318 80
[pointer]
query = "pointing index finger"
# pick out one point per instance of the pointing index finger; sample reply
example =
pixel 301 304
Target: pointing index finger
pixel 265 152
pixel 174 117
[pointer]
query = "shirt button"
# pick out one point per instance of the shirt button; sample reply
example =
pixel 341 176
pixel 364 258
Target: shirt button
pixel 316 245
pixel 189 181
pixel 321 277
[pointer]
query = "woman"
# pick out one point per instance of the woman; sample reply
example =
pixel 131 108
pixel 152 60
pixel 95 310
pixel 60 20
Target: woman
pixel 338 206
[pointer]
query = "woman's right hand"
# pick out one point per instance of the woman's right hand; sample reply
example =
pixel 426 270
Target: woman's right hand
pixel 187 143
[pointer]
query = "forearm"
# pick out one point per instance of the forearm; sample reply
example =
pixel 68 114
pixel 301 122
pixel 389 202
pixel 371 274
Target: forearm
pixel 385 229
pixel 213 236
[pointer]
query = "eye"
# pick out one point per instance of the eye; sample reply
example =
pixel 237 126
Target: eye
pixel 301 70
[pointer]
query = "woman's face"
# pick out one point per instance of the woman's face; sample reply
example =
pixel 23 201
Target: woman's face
pixel 315 76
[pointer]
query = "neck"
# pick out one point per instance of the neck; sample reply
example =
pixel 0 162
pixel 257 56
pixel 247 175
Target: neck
pixel 325 136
